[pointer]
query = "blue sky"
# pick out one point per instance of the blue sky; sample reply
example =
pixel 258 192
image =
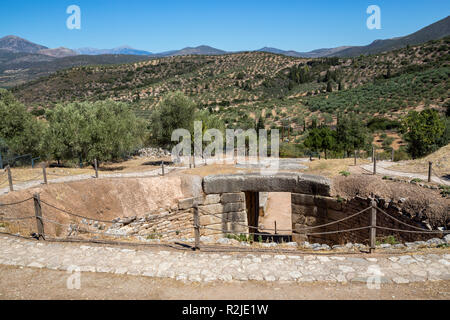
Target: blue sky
pixel 229 25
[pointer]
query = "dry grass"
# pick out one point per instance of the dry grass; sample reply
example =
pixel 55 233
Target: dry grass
pixel 332 167
pixel 214 169
pixel 440 159
pixel 21 175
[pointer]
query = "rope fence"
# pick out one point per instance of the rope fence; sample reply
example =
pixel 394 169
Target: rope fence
pixel 40 176
pixel 41 219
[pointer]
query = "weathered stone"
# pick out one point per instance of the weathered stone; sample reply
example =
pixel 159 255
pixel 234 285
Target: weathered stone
pixel 447 238
pixel 211 199
pixel 302 199
pixel 298 218
pixel 211 209
pixel 281 182
pixel 327 202
pixel 233 207
pixel 299 228
pixel 209 220
pixel 236 216
pixel 232 197
pixel 303 210
pixel 310 221
pixel 185 203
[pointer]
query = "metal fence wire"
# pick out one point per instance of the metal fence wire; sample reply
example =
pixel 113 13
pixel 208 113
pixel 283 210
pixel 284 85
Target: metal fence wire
pixel 41 219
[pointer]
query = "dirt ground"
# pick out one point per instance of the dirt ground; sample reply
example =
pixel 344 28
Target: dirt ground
pixel 279 210
pixel 440 159
pixel 103 199
pixel 27 283
pixel 30 174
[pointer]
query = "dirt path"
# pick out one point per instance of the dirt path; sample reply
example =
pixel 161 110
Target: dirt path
pixel 383 168
pixel 279 210
pixel 30 283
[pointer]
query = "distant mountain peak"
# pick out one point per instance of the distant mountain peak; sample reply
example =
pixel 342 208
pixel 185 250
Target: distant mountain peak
pixel 17 44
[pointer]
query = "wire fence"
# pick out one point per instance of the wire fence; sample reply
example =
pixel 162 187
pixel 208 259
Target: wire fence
pixel 73 228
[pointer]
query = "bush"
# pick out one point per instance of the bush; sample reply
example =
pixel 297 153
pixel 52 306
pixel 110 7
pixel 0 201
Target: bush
pixel 344 173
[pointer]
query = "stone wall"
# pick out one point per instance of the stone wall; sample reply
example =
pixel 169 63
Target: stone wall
pixel 222 210
pixel 309 211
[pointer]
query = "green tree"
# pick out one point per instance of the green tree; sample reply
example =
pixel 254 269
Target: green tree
pixel 329 87
pixel 20 131
pixel 328 140
pixel 175 111
pixel 314 140
pixel 422 131
pixel 103 130
pixel 351 134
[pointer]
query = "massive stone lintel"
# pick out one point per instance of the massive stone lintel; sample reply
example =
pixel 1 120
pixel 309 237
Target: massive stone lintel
pixel 281 182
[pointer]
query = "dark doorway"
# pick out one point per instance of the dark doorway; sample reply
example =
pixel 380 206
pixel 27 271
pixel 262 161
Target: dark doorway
pixel 252 201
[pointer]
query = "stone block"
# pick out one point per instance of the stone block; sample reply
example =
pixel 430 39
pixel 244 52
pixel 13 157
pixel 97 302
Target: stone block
pixel 299 238
pixel 327 202
pixel 211 199
pixel 236 228
pixel 304 210
pixel 302 199
pixel 298 218
pixel 210 220
pixel 233 197
pixel 233 207
pixel 211 209
pixel 184 204
pixel 310 221
pixel 299 228
pixel 240 216
pixel 188 203
pixel 281 182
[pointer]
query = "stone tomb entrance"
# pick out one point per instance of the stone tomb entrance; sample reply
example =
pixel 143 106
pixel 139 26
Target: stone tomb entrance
pixel 239 194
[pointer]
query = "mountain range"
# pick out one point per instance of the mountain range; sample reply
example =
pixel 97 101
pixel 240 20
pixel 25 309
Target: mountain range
pixel 434 31
pixel 22 60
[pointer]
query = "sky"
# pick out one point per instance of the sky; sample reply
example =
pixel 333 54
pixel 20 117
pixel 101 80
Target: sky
pixel 230 25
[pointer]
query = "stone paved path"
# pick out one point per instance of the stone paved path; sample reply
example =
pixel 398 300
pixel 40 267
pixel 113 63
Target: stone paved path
pixel 205 267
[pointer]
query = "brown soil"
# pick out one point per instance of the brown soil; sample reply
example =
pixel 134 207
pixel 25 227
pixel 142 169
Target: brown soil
pixel 279 210
pixel 132 165
pixel 417 199
pixel 103 199
pixel 26 283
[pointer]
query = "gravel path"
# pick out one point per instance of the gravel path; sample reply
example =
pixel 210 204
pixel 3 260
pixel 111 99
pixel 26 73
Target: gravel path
pixel 206 267
pixel 382 169
pixel 36 183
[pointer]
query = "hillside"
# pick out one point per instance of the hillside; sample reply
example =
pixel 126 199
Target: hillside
pixel 19 67
pixel 434 31
pixel 17 44
pixel 246 85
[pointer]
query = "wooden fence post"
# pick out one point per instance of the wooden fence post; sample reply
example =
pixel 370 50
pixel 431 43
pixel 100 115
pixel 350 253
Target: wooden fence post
pixel 374 162
pixel 44 173
pixel 392 156
pixel 38 214
pixel 96 168
pixel 275 223
pixel 10 180
pixel 162 168
pixel 430 168
pixel 196 227
pixel 373 225
pixel 355 157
